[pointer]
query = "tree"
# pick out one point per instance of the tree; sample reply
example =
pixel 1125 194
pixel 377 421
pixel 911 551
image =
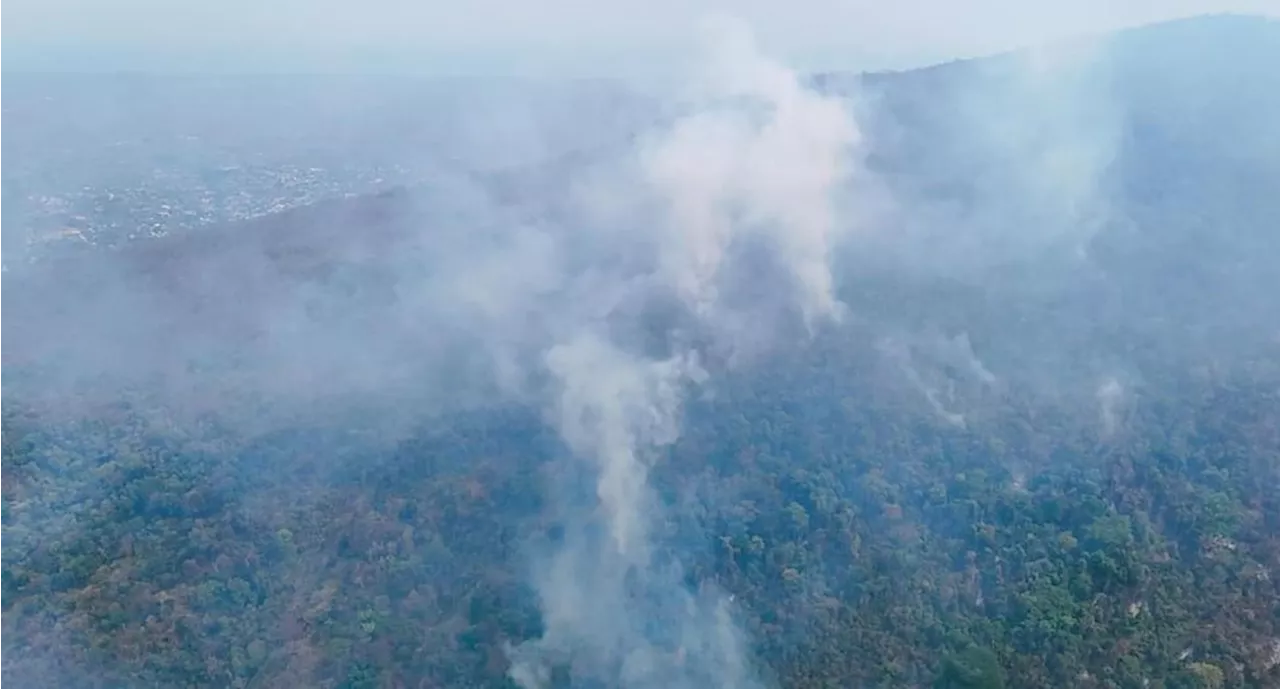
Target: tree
pixel 974 668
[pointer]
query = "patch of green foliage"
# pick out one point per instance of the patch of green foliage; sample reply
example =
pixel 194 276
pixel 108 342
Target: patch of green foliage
pixel 864 545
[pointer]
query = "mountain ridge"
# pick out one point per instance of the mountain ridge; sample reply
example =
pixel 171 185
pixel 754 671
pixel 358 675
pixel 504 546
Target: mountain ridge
pixel 1040 449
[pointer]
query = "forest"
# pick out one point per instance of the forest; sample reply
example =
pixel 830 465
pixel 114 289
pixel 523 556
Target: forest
pixel 1040 449
pixel 866 546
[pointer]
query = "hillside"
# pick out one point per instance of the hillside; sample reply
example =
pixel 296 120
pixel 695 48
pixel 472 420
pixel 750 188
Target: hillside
pixel 1042 449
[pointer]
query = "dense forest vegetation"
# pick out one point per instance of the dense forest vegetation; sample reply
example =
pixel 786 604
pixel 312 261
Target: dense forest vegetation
pixel 866 546
pixel 1056 470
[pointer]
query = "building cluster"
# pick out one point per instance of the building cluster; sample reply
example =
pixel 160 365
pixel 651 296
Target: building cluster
pixel 173 201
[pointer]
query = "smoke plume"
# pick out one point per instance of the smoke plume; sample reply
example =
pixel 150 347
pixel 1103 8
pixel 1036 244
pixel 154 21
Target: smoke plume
pixel 756 160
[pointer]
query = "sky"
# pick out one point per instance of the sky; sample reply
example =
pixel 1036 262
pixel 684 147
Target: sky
pixel 586 37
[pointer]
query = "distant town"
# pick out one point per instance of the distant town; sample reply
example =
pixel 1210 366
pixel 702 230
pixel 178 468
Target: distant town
pixel 164 205
pixel 172 202
pixel 111 160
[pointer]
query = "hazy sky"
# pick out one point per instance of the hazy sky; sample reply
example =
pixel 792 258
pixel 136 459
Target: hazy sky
pixel 588 36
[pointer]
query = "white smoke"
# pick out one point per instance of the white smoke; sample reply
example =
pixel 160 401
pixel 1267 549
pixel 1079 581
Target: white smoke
pixel 1110 395
pixel 900 354
pixel 612 406
pixel 971 361
pixel 760 155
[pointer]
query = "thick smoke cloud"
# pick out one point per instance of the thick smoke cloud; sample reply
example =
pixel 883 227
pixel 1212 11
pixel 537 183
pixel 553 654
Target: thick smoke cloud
pixel 601 292
pixel 758 156
pixel 762 154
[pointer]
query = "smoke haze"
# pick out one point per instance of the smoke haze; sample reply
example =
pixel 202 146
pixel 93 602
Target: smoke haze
pixel 610 259
pixel 769 160
pixel 557 37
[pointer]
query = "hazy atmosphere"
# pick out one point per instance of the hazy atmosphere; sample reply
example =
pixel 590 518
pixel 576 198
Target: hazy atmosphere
pixel 372 346
pixel 573 37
